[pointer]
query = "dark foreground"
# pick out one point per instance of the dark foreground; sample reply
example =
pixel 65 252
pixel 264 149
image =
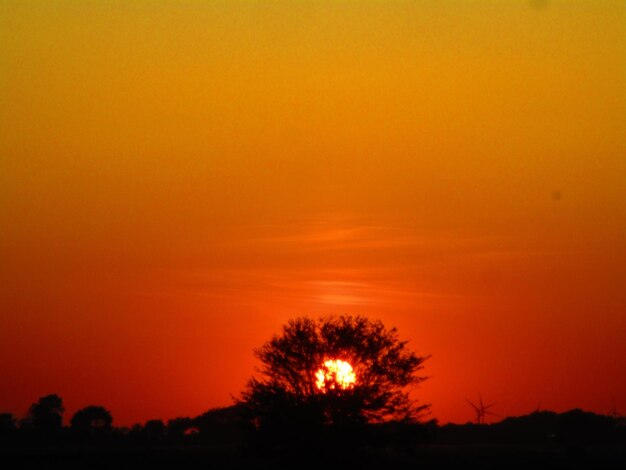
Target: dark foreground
pixel 423 457
pixel 220 439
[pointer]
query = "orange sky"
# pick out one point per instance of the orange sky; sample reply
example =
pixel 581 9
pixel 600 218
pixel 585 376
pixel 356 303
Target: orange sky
pixel 177 179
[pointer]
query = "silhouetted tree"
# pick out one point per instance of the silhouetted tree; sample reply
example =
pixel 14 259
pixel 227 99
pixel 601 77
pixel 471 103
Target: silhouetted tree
pixel 92 420
pixel 46 416
pixel 154 430
pixel 134 433
pixel 7 422
pixel 8 425
pixel 288 390
pixel 221 426
pixel 8 429
pixel 177 428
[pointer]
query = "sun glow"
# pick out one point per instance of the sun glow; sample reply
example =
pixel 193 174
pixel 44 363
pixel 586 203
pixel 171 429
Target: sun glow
pixel 335 374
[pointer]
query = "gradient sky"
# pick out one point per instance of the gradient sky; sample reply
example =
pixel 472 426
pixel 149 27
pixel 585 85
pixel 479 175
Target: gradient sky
pixel 178 179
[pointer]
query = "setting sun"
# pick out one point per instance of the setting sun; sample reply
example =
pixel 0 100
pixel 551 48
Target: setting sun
pixel 334 374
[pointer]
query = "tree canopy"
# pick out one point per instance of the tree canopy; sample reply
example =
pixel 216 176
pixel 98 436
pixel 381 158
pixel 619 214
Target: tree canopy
pixel 300 376
pixel 46 415
pixel 92 420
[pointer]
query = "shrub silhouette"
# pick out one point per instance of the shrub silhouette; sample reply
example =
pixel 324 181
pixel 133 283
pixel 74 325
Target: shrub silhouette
pixel 178 428
pixel 46 416
pixel 8 427
pixel 153 431
pixel 92 420
pixel 286 393
pixel 7 422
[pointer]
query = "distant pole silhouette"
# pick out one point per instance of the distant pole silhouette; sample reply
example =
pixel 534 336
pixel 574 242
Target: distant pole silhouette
pixel 481 410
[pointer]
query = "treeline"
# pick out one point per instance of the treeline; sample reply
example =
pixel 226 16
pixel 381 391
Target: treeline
pixel 43 425
pixel 230 429
pixel 575 427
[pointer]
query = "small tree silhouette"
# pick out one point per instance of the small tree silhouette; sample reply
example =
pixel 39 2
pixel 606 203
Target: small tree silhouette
pixel 177 428
pixel 92 420
pixel 154 430
pixel 298 385
pixel 7 423
pixel 46 416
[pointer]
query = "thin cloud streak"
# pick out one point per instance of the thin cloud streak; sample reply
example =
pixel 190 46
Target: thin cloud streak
pixel 330 264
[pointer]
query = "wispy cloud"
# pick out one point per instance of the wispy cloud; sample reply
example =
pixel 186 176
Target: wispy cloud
pixel 346 261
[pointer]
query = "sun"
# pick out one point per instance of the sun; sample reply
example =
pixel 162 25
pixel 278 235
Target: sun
pixel 335 374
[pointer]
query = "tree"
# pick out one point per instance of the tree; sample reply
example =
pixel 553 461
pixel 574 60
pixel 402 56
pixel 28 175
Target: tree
pixel 334 370
pixel 46 416
pixel 153 430
pixel 221 426
pixel 7 424
pixel 92 420
pixel 178 428
pixel 7 421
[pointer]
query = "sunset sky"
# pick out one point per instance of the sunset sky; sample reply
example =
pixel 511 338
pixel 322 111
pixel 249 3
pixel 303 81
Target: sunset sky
pixel 178 179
